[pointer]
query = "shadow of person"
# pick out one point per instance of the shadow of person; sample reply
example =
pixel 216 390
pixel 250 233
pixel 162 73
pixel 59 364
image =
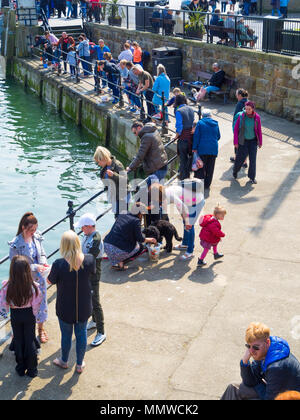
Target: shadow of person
pixel 236 193
pixel 204 275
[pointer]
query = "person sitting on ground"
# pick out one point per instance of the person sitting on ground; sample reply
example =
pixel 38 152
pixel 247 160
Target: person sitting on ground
pixel 245 34
pixel 126 54
pixel 125 239
pixel 214 84
pixel 113 170
pixel 274 368
pixel 151 153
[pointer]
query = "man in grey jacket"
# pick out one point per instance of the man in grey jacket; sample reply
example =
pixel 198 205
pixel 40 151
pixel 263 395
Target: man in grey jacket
pixel 151 153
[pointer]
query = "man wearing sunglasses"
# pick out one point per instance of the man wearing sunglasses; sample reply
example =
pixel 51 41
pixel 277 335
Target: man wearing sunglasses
pixel 274 369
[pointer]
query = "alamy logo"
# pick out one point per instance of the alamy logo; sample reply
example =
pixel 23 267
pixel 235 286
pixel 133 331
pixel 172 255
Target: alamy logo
pixel 296 69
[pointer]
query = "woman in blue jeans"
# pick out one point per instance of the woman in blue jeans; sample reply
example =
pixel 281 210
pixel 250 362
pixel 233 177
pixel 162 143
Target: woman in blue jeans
pixel 74 298
pixel 188 197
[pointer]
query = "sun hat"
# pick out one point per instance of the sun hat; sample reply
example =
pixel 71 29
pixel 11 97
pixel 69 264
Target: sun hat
pixel 87 219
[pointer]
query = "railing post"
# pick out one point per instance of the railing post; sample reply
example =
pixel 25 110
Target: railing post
pixel 71 214
pixel 164 125
pixel 142 112
pixel 127 10
pixel 121 98
pixel 199 111
pixel 235 32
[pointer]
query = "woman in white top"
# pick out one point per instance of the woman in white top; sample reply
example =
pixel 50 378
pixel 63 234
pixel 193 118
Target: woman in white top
pixel 188 197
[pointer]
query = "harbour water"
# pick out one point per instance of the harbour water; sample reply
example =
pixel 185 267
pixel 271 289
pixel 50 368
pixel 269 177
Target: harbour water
pixel 45 161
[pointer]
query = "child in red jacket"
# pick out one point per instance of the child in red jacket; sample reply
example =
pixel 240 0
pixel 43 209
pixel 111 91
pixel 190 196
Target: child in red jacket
pixel 211 233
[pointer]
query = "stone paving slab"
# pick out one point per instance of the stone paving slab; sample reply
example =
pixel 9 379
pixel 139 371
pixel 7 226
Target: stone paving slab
pixel 176 331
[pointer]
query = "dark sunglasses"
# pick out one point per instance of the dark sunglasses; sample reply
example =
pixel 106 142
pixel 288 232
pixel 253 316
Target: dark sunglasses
pixel 254 347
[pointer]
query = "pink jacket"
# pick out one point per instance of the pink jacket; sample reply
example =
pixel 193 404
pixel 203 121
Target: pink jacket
pixel 34 302
pixel 257 129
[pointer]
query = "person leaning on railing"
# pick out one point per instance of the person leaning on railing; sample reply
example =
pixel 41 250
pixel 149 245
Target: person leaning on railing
pixel 64 43
pixel 145 87
pixel 113 77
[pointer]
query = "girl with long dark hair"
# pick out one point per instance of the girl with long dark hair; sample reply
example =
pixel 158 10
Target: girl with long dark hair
pixel 21 295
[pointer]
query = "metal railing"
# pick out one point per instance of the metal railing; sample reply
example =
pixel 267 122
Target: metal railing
pixel 59 59
pixel 268 34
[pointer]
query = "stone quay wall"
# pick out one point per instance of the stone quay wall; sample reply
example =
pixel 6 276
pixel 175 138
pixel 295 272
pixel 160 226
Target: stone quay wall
pixel 272 80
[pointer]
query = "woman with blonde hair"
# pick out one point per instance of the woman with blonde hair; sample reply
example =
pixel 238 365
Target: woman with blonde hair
pixel 74 299
pixel 113 170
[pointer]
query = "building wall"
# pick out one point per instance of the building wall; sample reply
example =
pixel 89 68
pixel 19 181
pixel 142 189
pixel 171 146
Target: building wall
pixel 272 80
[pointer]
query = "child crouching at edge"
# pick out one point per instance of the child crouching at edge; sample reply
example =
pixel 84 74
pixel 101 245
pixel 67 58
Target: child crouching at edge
pixel 211 233
pixel 21 295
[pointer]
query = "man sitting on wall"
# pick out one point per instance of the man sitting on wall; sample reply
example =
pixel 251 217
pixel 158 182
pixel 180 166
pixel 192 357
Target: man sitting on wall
pixel 214 84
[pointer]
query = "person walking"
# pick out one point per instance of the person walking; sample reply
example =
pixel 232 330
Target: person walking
pixel 267 367
pixel 184 134
pixel 205 144
pixel 242 97
pixel 275 7
pixel 71 274
pixel 211 233
pixel 21 295
pixel 28 242
pixel 247 138
pixel 92 244
pixel 151 152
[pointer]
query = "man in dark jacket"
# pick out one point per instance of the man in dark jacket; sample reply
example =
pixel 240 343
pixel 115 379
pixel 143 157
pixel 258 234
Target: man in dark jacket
pixel 274 368
pixel 113 77
pixel 151 153
pixel 214 83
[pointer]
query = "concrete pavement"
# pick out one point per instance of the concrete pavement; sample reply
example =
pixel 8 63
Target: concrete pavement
pixel 175 331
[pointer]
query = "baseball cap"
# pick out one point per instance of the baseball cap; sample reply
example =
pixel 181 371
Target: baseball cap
pixel 87 219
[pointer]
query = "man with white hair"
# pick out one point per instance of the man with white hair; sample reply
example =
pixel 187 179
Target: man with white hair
pixel 205 144
pixel 214 83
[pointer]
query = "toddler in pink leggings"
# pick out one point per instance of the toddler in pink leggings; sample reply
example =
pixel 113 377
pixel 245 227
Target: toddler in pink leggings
pixel 211 233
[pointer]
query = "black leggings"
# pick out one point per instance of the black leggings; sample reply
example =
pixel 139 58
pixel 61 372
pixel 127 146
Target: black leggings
pixel 23 326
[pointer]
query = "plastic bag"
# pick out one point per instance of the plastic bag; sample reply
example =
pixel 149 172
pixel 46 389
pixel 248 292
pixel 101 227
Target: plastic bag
pixel 153 252
pixel 197 162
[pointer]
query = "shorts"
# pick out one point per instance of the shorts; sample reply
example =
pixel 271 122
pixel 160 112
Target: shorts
pixel 211 89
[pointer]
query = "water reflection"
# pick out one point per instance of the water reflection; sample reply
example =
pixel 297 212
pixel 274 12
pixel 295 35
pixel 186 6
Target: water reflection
pixel 45 161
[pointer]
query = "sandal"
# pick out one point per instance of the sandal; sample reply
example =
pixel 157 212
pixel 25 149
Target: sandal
pixel 79 368
pixel 58 362
pixel 43 336
pixel 118 268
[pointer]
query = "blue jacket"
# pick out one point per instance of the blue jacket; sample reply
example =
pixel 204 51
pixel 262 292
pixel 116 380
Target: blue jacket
pixel 279 372
pixel 100 51
pixel 206 137
pixel 161 84
pixel 284 3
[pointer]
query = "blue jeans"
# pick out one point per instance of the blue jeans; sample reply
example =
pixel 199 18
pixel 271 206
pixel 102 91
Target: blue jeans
pixel 157 176
pixel 66 340
pixel 189 235
pixel 69 8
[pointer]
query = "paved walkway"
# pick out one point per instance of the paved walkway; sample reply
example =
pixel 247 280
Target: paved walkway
pixel 175 331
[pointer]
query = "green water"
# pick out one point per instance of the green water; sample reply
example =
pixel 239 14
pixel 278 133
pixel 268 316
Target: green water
pixel 45 161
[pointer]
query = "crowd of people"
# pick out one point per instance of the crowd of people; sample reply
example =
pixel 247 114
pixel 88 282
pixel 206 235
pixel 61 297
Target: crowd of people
pixel 77 273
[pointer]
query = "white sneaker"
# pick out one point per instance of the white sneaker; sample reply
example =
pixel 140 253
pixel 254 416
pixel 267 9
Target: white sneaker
pixel 98 339
pixel 180 247
pixel 91 325
pixel 187 256
pixel 137 112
